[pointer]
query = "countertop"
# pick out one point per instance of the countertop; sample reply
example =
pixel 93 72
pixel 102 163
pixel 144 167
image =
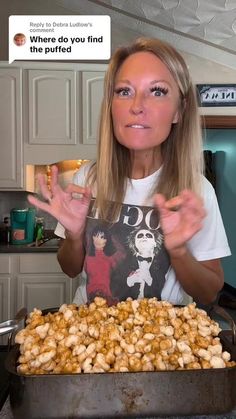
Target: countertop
pixel 51 245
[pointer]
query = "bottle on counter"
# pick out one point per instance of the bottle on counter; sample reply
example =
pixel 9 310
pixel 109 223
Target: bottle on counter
pixel 5 231
pixel 6 222
pixel 39 230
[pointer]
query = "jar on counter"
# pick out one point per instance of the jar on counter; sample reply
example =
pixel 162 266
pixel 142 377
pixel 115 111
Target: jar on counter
pixel 39 229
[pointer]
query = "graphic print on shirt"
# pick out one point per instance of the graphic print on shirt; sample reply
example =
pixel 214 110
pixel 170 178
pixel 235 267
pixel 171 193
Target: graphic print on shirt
pixel 104 253
pixel 126 258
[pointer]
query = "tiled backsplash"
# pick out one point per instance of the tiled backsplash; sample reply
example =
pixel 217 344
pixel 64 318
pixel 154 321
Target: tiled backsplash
pixel 18 199
pixel 14 199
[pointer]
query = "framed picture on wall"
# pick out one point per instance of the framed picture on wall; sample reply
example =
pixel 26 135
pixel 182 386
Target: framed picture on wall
pixel 214 95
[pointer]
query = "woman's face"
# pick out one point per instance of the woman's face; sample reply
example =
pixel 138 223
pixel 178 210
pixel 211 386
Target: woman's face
pixel 145 102
pixel 99 241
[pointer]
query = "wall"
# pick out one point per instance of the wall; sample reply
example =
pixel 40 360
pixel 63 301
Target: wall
pixel 223 144
pixel 206 71
pixel 9 200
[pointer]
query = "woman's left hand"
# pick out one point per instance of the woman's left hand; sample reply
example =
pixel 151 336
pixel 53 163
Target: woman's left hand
pixel 181 218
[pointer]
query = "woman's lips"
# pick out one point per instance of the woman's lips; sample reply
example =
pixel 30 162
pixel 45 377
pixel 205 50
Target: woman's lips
pixel 137 126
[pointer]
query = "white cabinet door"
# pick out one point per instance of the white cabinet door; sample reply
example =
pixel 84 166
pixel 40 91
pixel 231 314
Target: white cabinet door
pixel 42 291
pixel 92 94
pixel 57 107
pixel 5 312
pixel 52 106
pixel 11 158
pixel 4 303
pixel 41 283
pixel 5 292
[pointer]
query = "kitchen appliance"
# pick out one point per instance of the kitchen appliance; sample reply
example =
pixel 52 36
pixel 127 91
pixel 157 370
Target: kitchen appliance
pixel 22 225
pixel 123 395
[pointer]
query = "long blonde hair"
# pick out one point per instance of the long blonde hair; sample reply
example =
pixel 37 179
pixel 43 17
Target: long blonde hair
pixel 181 151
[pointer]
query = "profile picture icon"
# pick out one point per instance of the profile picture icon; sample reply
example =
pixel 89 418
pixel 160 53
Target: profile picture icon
pixel 19 39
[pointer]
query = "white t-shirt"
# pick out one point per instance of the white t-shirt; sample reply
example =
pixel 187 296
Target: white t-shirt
pixel 209 243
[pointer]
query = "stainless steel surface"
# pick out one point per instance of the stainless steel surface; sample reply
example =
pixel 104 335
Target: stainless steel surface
pixel 6 413
pixel 10 325
pixel 226 316
pixel 192 394
pixel 20 315
pixel 121 395
pixel 48 242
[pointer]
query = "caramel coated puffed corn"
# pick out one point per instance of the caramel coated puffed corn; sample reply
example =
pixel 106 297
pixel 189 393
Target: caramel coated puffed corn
pixel 134 335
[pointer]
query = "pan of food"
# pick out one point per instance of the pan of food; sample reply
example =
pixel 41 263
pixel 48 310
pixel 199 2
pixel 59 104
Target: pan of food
pixel 140 358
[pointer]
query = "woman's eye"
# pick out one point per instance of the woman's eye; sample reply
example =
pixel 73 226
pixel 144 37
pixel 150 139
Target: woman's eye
pixel 122 91
pixel 159 91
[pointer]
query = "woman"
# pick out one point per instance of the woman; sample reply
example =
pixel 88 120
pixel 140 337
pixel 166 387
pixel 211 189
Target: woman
pixel 148 174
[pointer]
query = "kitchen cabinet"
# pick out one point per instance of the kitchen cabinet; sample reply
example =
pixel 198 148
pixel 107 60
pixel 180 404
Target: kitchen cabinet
pixel 5 291
pixel 41 283
pixel 48 113
pixel 219 121
pixel 92 94
pixel 52 108
pixel 13 174
pixel 62 105
pixel 32 280
pixel 11 157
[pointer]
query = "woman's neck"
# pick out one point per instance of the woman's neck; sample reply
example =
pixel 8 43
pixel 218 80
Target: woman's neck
pixel 145 163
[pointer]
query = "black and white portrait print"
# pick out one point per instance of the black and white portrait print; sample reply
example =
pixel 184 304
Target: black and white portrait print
pixel 140 270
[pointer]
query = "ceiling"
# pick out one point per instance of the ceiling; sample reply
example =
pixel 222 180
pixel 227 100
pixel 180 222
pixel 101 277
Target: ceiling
pixel 206 28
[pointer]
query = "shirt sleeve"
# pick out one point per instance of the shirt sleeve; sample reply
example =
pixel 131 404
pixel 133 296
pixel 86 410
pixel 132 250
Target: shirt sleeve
pixel 211 241
pixel 79 178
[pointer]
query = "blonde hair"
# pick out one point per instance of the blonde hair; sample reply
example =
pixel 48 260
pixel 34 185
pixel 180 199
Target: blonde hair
pixel 181 151
pixel 19 35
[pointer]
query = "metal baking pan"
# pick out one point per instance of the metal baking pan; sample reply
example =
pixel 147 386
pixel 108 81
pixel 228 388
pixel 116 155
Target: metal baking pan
pixel 122 395
pixel 4 376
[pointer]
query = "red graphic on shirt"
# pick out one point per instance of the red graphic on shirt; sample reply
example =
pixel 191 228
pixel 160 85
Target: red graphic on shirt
pixel 104 253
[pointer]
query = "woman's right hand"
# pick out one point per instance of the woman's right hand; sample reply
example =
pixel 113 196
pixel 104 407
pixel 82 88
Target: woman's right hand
pixel 71 212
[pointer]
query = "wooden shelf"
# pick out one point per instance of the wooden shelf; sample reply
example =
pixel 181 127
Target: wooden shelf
pixel 219 121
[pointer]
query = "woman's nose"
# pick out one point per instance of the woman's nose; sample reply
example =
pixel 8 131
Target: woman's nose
pixel 137 105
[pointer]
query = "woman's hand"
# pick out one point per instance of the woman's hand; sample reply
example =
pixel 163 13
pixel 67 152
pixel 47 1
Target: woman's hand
pixel 181 218
pixel 71 212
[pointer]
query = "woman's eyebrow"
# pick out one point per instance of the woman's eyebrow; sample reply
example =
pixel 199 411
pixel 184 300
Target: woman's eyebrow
pixel 160 81
pixel 123 81
pixel 126 81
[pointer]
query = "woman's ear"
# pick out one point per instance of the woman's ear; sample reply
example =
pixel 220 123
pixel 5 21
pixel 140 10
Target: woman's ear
pixel 179 111
pixel 176 117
